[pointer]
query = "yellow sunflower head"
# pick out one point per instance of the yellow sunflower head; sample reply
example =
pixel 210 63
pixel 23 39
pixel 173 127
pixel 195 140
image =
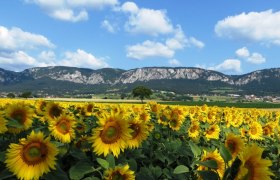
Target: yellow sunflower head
pixel 255 131
pixel 212 132
pixel 111 135
pixel 253 166
pixel 139 133
pixel 88 109
pixel 215 155
pixel 62 128
pixel 175 123
pixel 32 157
pixel 194 130
pixel 41 106
pixel 119 173
pixel 3 127
pixel 21 113
pixel 53 110
pixel 234 144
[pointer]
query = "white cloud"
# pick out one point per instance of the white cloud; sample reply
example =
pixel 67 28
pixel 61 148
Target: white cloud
pixel 17 39
pixel 80 58
pixel 130 7
pixel 149 49
pixel 47 56
pixel 71 10
pixel 108 26
pixel 174 62
pixel 229 65
pixel 159 49
pixel 69 15
pixel 147 21
pixel 242 52
pixel 255 26
pixel 256 58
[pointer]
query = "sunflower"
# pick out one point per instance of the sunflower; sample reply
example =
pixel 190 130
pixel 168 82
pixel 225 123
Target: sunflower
pixel 213 132
pixel 234 144
pixel 88 109
pixel 62 128
pixel 194 130
pixel 216 157
pixel 111 135
pixel 268 129
pixel 255 131
pixel 119 172
pixel 253 166
pixel 53 110
pixel 3 127
pixel 32 157
pixel 82 143
pixel 139 133
pixel 21 113
pixel 41 107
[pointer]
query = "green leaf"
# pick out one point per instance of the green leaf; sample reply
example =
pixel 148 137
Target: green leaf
pixel 2 156
pixel 209 163
pixel 78 154
pixel 14 123
pixel 111 160
pixel 91 178
pixel 181 169
pixel 225 153
pixel 132 164
pixel 195 149
pixel 103 163
pixel 208 175
pixel 156 171
pixel 6 174
pixel 79 170
pixel 57 174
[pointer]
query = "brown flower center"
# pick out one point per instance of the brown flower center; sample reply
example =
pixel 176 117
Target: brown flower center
pixel 19 115
pixel 63 126
pixel 55 111
pixel 111 132
pixel 135 130
pixel 34 153
pixel 117 176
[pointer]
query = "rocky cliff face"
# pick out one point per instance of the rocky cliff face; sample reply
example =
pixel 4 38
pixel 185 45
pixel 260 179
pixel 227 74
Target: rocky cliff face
pixel 116 76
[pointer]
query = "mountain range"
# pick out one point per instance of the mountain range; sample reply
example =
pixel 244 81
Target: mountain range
pixel 60 80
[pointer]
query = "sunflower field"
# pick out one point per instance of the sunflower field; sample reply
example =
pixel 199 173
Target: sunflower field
pixel 52 140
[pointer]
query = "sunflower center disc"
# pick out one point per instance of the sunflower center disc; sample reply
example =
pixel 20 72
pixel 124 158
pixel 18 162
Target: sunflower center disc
pixel 117 176
pixel 63 127
pixel 254 130
pixel 19 116
pixel 55 112
pixel 135 130
pixel 111 133
pixel 34 153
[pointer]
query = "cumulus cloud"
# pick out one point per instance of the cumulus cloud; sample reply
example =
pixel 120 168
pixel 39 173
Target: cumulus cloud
pixel 174 62
pixel 71 10
pixel 242 52
pixel 229 65
pixel 17 39
pixel 108 26
pixel 81 58
pixel 149 49
pixel 255 26
pixel 165 49
pixel 254 58
pixel 146 21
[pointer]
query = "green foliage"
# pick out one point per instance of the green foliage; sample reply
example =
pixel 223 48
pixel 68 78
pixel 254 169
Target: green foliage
pixel 11 95
pixel 142 92
pixel 26 94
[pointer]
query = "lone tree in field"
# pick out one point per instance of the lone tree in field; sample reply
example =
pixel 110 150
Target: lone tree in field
pixel 141 92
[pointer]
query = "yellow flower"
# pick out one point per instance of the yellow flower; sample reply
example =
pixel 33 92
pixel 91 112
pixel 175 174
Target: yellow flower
pixel 22 113
pixel 213 132
pixel 41 107
pixel 139 133
pixel 3 127
pixel 234 144
pixel 119 172
pixel 194 130
pixel 253 167
pixel 216 157
pixel 111 135
pixel 53 110
pixel 62 128
pixel 255 131
pixel 31 158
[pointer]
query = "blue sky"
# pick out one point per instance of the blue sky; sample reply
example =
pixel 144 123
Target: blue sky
pixel 233 37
